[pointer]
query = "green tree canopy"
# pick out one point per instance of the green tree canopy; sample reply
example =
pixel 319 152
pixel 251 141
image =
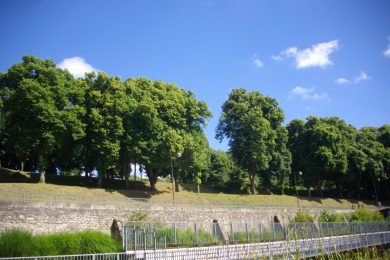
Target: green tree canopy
pixel 250 120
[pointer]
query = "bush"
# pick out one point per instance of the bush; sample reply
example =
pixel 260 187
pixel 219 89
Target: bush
pixel 358 215
pixel 326 216
pixel 14 243
pixel 366 215
pixel 303 217
pixel 185 237
pixel 97 242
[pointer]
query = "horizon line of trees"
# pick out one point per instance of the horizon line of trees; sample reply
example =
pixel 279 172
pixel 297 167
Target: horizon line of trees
pixel 52 122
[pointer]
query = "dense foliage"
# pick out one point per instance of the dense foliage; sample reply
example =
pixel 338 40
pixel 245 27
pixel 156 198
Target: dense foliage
pixel 16 243
pixel 99 125
pixel 355 216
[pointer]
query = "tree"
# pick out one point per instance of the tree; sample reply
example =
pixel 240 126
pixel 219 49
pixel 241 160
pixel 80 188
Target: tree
pixel 320 148
pixel 249 120
pixel 221 167
pixel 375 157
pixel 296 145
pixel 195 159
pixel 38 110
pixel 162 124
pixel 280 164
pixel 104 122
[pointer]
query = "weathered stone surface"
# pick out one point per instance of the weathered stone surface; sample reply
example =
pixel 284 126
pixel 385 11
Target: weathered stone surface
pixel 54 217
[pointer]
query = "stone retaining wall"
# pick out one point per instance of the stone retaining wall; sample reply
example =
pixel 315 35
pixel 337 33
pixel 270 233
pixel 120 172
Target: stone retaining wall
pixel 53 217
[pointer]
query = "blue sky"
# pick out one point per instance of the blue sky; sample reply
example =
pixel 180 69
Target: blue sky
pixel 321 58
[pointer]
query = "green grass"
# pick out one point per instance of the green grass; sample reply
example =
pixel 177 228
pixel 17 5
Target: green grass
pixel 69 188
pixel 255 237
pixel 16 243
pixel 186 237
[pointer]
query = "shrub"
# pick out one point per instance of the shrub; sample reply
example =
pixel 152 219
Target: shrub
pixel 64 243
pixel 138 216
pixel 97 242
pixel 326 216
pixel 366 215
pixel 303 217
pixel 185 237
pixel 16 242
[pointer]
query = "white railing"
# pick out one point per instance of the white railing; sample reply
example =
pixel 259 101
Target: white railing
pixel 108 256
pixel 288 249
pixel 301 248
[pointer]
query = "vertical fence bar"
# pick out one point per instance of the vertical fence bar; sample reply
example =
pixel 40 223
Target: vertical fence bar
pixel 247 232
pixel 174 234
pixel 273 231
pixel 231 233
pixel 135 239
pixel 262 232
pixel 145 240
pixel 196 234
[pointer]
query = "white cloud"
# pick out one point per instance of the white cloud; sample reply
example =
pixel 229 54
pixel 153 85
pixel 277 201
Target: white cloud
pixel 76 66
pixel 257 62
pixel 387 51
pixel 276 57
pixel 359 78
pixel 316 56
pixel 308 93
pixel 362 77
pixel 342 81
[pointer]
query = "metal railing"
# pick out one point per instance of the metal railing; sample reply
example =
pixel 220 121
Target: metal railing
pixel 108 256
pixel 186 234
pixel 290 249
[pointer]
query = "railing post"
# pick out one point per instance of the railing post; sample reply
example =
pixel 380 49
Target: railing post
pixel 124 239
pixel 145 241
pixel 231 233
pixel 196 234
pixel 286 232
pixel 319 229
pixel 135 239
pixel 174 233
pixel 247 232
pixel 334 229
pixel 261 232
pixel 273 231
pixel 155 241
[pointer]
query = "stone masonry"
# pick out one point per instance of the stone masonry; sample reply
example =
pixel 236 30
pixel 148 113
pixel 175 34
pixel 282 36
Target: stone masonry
pixel 54 217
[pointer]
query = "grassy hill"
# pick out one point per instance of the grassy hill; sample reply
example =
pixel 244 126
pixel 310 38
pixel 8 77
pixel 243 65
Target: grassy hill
pixel 23 186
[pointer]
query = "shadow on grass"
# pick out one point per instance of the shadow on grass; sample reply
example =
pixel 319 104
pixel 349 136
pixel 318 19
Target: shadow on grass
pixel 137 189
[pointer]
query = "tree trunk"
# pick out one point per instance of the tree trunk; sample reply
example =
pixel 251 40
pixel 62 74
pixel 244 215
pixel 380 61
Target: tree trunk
pixel 309 192
pixel 320 189
pixel 152 179
pixel 176 178
pixel 42 176
pixel 22 166
pixel 252 184
pixel 102 173
pixel 198 188
pixel 135 170
pixel 125 172
pixel 339 189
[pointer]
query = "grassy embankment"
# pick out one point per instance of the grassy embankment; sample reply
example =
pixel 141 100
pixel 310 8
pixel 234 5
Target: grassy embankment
pixel 61 187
